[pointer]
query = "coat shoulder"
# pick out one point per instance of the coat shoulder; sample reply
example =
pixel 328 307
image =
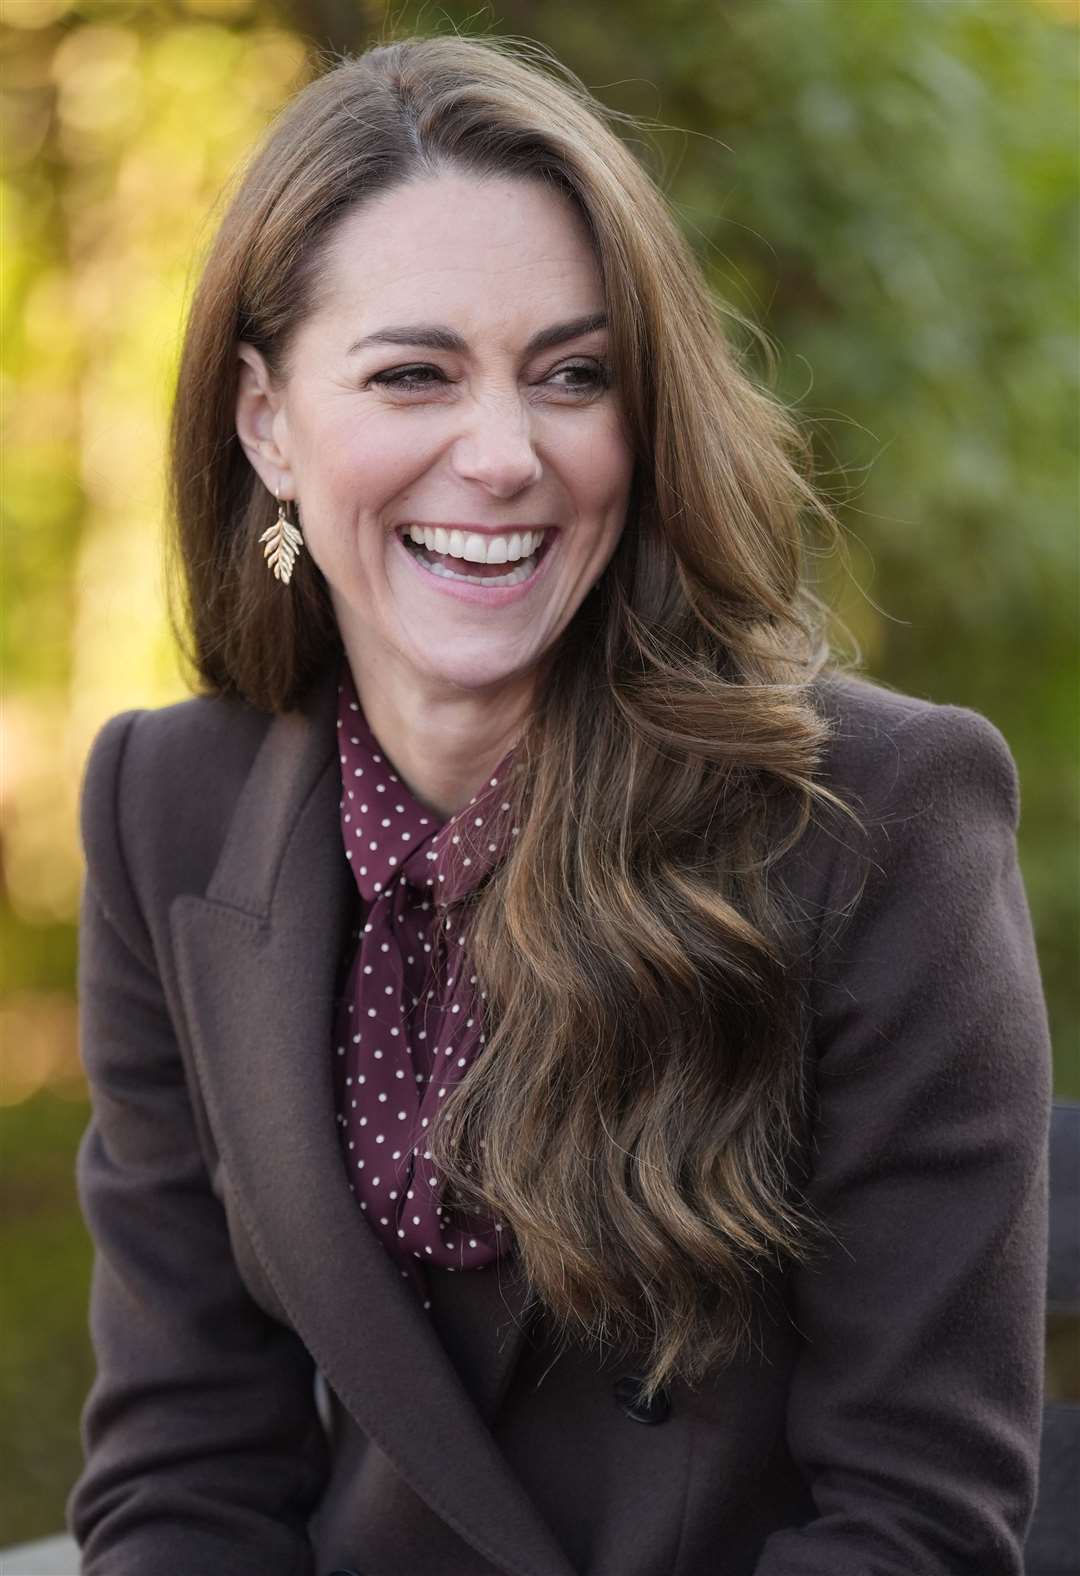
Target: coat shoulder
pixel 158 790
pixel 883 742
pixel 912 772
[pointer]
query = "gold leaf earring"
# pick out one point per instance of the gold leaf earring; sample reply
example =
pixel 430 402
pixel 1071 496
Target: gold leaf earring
pixel 283 541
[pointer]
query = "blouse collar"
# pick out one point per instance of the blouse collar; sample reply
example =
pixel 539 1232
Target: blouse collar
pixel 389 836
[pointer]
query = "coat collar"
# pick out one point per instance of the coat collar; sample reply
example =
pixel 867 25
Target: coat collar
pixel 257 959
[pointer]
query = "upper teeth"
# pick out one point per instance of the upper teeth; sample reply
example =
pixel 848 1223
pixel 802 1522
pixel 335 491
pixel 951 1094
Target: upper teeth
pixel 473 547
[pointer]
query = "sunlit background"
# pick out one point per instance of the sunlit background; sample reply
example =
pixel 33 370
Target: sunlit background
pixel 887 187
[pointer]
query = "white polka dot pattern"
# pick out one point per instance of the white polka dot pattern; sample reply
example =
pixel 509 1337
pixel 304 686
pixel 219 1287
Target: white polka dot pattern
pixel 409 1022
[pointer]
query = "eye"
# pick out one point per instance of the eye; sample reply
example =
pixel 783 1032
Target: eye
pixel 404 377
pixel 597 375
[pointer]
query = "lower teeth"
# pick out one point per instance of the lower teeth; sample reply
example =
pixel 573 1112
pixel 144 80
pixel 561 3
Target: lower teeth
pixel 520 572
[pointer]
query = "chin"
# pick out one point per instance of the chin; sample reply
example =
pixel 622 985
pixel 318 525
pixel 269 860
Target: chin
pixel 475 677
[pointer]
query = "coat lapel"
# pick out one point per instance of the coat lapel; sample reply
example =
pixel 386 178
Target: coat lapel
pixel 257 960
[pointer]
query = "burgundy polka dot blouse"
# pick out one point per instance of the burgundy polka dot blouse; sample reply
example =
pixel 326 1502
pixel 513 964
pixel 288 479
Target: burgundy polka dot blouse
pixel 408 1023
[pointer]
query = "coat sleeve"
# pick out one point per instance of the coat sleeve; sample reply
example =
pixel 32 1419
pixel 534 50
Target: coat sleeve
pixel 203 1447
pixel 914 1414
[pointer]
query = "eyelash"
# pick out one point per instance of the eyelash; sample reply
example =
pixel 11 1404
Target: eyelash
pixel 401 377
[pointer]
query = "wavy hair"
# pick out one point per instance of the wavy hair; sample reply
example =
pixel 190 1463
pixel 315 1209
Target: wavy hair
pixel 635 1112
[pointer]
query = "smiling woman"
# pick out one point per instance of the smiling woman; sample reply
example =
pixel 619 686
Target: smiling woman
pixel 511 428
pixel 531 990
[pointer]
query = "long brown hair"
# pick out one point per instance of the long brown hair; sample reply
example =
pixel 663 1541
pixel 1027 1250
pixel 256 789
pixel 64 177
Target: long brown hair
pixel 635 1110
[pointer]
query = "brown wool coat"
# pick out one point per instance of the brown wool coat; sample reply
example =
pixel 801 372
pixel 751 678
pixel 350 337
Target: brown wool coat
pixel 272 1401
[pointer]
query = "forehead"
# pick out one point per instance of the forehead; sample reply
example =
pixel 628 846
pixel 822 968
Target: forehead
pixel 470 250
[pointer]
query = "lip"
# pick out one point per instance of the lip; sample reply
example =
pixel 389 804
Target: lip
pixel 476 591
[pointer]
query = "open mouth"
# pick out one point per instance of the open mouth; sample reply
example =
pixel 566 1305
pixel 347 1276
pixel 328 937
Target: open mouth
pixel 449 567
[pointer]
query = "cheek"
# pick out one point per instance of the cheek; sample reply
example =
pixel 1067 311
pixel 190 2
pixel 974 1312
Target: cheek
pixel 354 463
pixel 602 467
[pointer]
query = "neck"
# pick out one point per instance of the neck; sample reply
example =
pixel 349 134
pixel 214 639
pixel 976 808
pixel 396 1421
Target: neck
pixel 444 741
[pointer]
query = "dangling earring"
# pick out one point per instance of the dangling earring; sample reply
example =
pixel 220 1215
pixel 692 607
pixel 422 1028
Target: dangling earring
pixel 283 541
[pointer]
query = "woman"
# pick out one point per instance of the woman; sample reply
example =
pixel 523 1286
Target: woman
pixel 570 1074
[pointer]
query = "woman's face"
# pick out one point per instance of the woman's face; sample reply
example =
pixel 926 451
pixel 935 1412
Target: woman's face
pixel 448 379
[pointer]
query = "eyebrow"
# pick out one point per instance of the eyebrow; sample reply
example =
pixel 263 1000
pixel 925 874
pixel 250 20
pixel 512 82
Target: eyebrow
pixel 433 336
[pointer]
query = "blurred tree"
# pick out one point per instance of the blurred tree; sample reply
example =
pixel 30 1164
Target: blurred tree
pixel 337 26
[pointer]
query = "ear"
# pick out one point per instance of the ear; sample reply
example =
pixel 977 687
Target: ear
pixel 260 422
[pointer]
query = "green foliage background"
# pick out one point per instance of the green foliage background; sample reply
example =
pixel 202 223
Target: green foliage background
pixel 888 188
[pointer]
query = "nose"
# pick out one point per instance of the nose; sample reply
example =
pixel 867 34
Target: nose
pixel 497 450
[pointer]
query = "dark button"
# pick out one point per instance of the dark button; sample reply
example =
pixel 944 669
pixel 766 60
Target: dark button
pixel 627 1390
